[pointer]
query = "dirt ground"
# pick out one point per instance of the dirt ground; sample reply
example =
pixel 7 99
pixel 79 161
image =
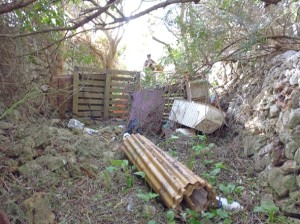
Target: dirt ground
pixel 53 174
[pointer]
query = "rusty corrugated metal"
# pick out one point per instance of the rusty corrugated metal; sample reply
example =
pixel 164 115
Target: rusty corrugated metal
pixel 175 183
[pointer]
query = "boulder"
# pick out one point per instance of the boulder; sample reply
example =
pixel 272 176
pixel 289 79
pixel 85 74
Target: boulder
pixel 289 167
pixel 37 210
pixel 294 118
pixel 281 184
pixel 290 149
pixel 290 205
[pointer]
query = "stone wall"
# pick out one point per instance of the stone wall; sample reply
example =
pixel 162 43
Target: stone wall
pixel 265 106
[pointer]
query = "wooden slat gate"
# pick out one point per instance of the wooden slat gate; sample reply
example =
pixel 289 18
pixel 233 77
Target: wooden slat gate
pixel 103 93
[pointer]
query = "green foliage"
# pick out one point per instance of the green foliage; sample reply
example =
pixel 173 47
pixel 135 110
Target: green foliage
pixel 147 196
pixel 124 165
pixel 218 216
pixel 40 14
pixel 171 217
pixel 268 208
pixel 140 173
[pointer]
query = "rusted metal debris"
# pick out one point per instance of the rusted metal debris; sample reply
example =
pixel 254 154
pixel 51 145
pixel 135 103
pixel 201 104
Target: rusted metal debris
pixel 177 185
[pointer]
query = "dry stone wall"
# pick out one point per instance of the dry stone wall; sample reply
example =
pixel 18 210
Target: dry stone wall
pixel 265 105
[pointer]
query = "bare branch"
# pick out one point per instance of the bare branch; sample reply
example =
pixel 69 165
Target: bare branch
pixel 146 11
pixel 8 7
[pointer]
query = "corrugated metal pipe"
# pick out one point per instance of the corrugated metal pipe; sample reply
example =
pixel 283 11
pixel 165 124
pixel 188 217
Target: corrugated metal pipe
pixel 177 185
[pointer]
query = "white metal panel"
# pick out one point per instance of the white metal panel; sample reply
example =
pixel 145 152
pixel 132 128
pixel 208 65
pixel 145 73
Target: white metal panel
pixel 199 116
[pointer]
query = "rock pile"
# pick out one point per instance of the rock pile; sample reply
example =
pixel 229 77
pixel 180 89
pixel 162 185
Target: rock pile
pixel 45 154
pixel 267 106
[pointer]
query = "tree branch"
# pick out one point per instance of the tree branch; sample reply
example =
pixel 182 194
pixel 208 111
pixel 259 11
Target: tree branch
pixel 99 10
pixel 8 7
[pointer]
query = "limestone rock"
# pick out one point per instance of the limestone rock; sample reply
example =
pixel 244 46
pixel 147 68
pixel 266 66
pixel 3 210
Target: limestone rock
pixel 281 184
pixel 262 159
pixel 298 180
pixel 289 167
pixel 52 163
pixel 290 205
pixel 38 210
pixel 119 129
pixel 295 77
pixel 24 148
pixel 42 138
pixel 294 118
pixel 253 143
pixel 274 111
pixel 290 149
pixel 297 156
pixel 30 168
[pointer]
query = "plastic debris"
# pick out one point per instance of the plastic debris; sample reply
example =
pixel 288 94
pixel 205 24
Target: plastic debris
pixel 234 206
pixel 187 132
pixel 73 123
pixel 90 131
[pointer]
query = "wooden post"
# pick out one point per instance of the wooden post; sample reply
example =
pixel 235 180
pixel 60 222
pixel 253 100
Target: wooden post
pixel 138 82
pixel 75 91
pixel 107 95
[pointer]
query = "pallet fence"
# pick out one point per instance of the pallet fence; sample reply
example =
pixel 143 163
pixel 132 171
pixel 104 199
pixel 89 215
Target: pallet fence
pixel 103 94
pixel 92 93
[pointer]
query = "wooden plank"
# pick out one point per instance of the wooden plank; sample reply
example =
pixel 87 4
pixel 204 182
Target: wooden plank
pixel 75 93
pixel 91 89
pixel 120 90
pixel 86 69
pixel 112 108
pixel 92 82
pixel 91 95
pixel 91 107
pixel 107 71
pixel 125 102
pixel 119 78
pixel 91 101
pixel 137 84
pixel 90 114
pixel 107 95
pixel 89 76
pixel 119 96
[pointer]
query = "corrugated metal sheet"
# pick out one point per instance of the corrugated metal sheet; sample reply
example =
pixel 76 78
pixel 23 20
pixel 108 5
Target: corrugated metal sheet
pixel 199 116
pixel 176 184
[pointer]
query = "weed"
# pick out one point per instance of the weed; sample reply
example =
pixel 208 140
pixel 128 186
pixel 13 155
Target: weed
pixel 147 196
pixel 268 208
pixel 171 217
pixel 124 165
